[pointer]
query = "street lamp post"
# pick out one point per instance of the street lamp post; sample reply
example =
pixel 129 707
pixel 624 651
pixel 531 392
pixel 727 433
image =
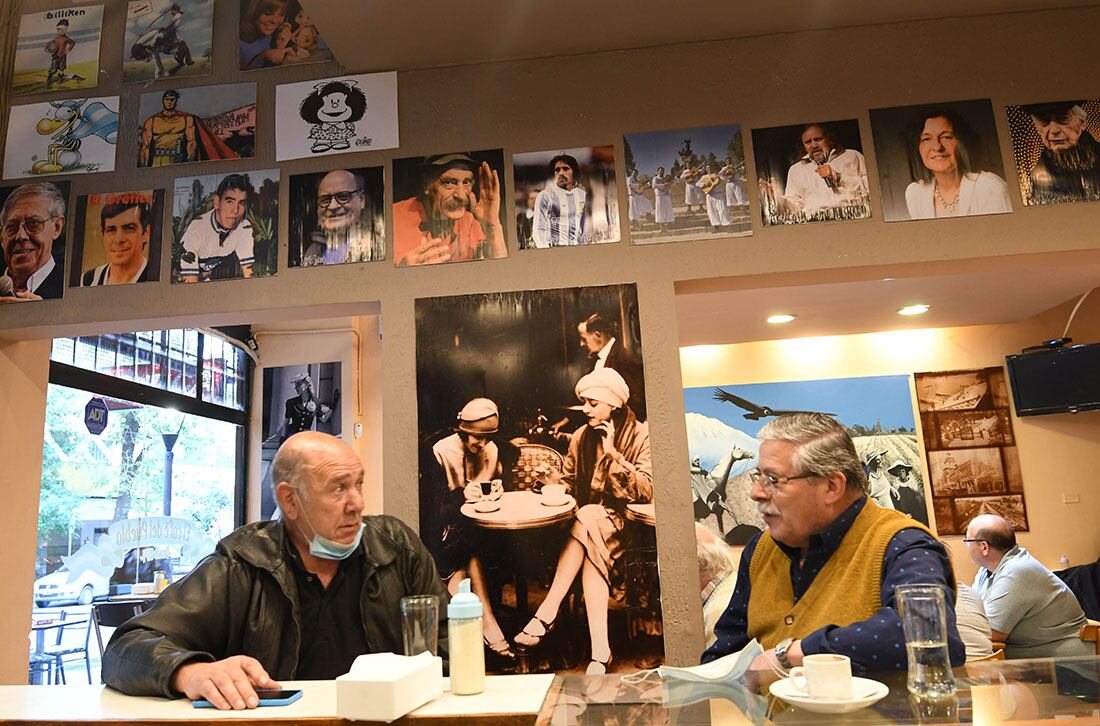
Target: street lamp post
pixel 169 442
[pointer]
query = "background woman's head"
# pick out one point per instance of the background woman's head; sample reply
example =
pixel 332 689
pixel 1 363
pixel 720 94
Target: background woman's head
pixel 261 18
pixel 940 141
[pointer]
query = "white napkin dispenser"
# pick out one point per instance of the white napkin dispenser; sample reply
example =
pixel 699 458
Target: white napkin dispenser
pixel 385 686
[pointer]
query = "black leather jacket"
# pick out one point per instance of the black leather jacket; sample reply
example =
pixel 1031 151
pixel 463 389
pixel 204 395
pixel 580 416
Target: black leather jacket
pixel 242 600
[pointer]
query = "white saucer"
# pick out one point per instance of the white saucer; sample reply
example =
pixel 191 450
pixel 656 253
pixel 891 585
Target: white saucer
pixel 554 504
pixel 483 508
pixel 865 690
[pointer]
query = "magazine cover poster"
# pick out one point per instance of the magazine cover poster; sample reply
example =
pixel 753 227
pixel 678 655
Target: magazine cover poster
pixel 73 136
pixel 337 115
pixel 686 183
pixel 225 226
pixel 536 480
pixel 58 50
pixel 117 238
pixel 566 197
pixel 276 34
pixel 723 423
pixel 34 224
pixel 200 123
pixel 337 216
pixel 167 39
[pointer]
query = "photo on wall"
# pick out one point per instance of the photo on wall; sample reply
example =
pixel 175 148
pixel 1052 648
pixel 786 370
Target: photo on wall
pixel 33 228
pixel 200 123
pixel 1056 152
pixel 939 160
pixel 686 183
pixel 117 238
pixel 296 398
pixel 277 33
pixel 58 50
pixel 566 197
pixel 447 208
pixel 337 217
pixel 74 136
pixel 167 39
pixel 973 463
pixel 723 422
pixel 536 479
pixel 811 172
pixel 340 115
pixel 225 226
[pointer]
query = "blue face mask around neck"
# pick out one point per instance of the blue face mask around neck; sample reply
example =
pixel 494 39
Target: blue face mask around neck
pixel 326 549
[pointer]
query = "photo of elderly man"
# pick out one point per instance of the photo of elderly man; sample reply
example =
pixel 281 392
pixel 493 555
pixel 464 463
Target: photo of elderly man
pixel 336 217
pixel 32 241
pixel 1057 155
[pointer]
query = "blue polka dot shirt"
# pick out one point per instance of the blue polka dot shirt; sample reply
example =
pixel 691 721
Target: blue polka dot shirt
pixel 875 644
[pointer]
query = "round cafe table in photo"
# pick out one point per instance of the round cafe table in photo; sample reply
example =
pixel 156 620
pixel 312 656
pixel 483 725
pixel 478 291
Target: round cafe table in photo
pixel 521 510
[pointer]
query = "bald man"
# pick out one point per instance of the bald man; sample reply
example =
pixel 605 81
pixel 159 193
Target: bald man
pixel 295 598
pixel 344 231
pixel 1030 610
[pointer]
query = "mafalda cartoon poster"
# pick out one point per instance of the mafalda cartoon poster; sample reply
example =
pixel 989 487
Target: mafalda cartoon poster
pixel 58 50
pixel 71 136
pixel 336 116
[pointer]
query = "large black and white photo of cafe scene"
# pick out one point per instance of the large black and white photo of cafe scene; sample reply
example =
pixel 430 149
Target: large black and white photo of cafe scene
pixel 535 474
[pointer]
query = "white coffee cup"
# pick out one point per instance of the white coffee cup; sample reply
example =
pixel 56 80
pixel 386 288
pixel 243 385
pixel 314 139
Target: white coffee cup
pixel 824 675
pixel 553 493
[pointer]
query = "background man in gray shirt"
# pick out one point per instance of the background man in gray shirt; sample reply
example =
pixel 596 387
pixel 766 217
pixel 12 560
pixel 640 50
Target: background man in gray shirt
pixel 1029 608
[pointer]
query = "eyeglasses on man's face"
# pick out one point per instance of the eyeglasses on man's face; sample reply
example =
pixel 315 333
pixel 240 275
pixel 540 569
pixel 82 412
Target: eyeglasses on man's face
pixel 342 198
pixel 771 483
pixel 968 541
pixel 33 225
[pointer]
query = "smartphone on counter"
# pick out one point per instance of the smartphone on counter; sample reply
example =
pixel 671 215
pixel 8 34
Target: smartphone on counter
pixel 267 698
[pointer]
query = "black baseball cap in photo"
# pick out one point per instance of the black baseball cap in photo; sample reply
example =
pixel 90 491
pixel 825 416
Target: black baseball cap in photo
pixel 442 162
pixel 1050 110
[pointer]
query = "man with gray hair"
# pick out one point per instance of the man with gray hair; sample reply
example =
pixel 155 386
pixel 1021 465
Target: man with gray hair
pixel 1030 609
pixel 296 598
pixel 821 578
pixel 32 220
pixel 1068 168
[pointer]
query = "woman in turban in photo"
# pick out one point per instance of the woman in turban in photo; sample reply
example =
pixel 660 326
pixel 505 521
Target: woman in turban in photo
pixel 607 467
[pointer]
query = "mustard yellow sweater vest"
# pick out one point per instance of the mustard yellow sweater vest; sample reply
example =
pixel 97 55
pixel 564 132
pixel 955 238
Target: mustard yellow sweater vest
pixel 847 590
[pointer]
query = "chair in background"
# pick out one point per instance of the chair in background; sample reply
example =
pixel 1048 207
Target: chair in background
pixel 531 457
pixel 112 615
pixel 1090 633
pixel 58 654
pixel 40 664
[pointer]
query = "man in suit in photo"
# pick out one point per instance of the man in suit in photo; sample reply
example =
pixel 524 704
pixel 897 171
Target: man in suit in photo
pixel 31 221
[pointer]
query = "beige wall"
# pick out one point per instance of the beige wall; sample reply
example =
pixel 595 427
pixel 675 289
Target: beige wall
pixel 1059 454
pixel 522 106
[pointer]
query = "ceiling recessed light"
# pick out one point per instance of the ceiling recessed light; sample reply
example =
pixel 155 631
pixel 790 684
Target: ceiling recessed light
pixel 780 318
pixel 913 310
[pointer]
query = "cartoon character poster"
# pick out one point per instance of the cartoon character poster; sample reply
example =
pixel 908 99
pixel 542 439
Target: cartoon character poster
pixel 167 39
pixel 225 226
pixel 74 136
pixel 58 50
pixel 723 422
pixel 277 33
pixel 201 123
pixel 336 116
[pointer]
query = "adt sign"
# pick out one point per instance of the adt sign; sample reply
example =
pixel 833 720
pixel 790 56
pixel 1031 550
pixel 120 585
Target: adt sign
pixel 95 416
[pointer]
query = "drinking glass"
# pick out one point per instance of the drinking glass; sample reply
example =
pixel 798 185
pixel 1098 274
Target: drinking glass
pixel 420 623
pixel 923 612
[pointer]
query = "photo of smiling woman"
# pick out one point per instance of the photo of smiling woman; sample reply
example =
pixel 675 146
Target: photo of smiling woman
pixel 275 33
pixel 118 242
pixel 939 160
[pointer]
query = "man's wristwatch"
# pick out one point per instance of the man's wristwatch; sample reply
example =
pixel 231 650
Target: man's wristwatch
pixel 781 653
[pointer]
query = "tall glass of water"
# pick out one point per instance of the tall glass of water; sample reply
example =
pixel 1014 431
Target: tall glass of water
pixel 923 612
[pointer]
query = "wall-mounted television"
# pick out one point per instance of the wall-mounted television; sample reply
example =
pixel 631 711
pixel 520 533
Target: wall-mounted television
pixel 1056 380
